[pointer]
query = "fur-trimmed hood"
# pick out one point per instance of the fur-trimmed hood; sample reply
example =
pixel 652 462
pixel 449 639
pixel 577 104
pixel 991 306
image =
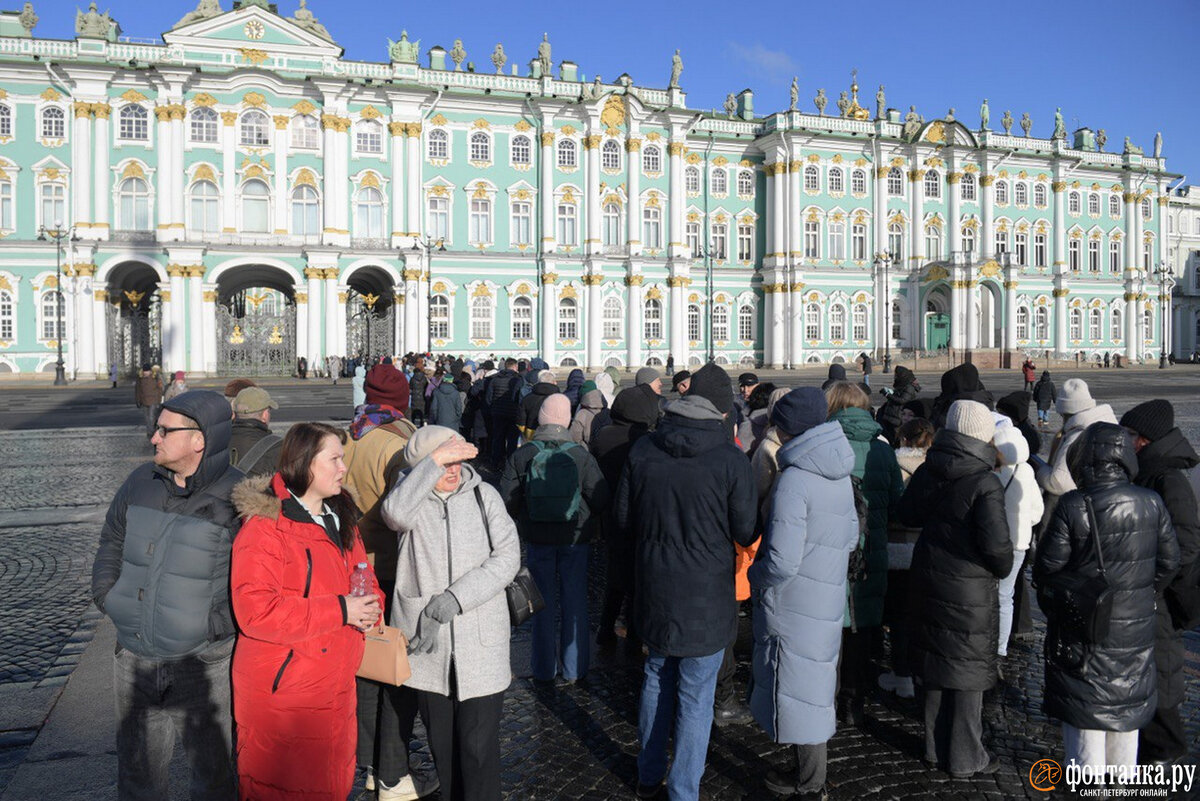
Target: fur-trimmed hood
pixel 254 497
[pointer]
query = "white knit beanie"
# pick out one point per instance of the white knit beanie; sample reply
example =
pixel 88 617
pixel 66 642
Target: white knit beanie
pixel 1074 397
pixel 424 442
pixel 971 418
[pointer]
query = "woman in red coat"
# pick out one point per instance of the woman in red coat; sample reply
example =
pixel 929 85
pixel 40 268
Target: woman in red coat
pixel 301 631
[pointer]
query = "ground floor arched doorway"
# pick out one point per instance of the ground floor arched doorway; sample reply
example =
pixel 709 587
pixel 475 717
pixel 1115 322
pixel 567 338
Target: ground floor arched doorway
pixel 133 318
pixel 370 314
pixel 937 321
pixel 256 322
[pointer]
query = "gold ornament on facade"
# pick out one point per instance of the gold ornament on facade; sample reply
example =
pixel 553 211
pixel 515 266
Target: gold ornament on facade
pixel 204 173
pixel 547 139
pixel 568 291
pixel 371 179
pixel 1058 186
pixel 53 174
pixel 936 273
pixel 204 99
pixel 305 178
pixel 254 100
pixel 987 180
pixel 593 279
pixel 412 130
pixel 654 293
pixel 916 175
pixel 101 110
pixel 549 278
pixel 522 194
pixel 281 122
pixel 568 130
pixel 694 158
pixel 229 118
pixel 634 280
pixel 331 273
pixel 177 111
pixel 132 170
pixel 253 171
pixel 396 128
pixel 1163 200
pixel 568 197
pixel 236 337
pixel 954 177
pixel 613 114
pixel 370 113
pixel 591 142
pixel 437 119
pixel 194 271
pixel 82 110
pixel 522 126
pixel 134 297
pixel 990 269
pixel 633 145
pixel 439 191
pixel 1061 293
pixel 162 113
pixel 304 107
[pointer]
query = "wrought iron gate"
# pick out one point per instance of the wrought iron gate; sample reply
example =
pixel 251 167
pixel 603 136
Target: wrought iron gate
pixel 370 332
pixel 133 324
pixel 257 343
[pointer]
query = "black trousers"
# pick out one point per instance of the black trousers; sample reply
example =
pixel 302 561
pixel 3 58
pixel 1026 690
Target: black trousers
pixel 386 716
pixel 1022 618
pixel 464 737
pixel 954 730
pixel 726 692
pixel 855 671
pixel 1163 737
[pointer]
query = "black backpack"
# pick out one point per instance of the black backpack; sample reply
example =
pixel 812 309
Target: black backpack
pixel 856 567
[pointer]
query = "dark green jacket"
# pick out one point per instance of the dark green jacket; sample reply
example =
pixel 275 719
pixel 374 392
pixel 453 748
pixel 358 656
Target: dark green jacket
pixel 882 484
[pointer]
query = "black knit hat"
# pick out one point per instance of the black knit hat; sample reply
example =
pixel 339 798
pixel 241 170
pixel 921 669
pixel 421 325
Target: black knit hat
pixel 1153 419
pixel 712 383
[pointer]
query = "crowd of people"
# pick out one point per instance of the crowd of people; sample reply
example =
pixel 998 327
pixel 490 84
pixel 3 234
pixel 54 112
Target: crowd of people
pixel 870 546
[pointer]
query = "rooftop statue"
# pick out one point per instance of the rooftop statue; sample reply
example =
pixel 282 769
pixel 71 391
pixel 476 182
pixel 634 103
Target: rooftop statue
pixel 458 55
pixel 985 115
pixel 1131 149
pixel 205 9
pixel 1026 123
pixel 1007 122
pixel 93 24
pixel 950 114
pixel 1158 145
pixel 843 104
pixel 1060 128
pixel 305 19
pixel 1101 139
pixel 912 122
pixel 676 70
pixel 404 51
pixel 544 55
pixel 880 103
pixel 794 94
pixel 730 105
pixel 27 18
pixel 820 101
pixel 498 58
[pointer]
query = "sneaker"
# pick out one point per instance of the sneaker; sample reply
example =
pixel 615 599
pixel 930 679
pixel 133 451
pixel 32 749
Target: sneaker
pixel 732 713
pixel 370 784
pixel 900 685
pixel 993 765
pixel 404 790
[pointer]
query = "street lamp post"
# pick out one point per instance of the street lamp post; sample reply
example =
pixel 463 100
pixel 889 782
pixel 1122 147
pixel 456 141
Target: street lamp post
pixel 1164 273
pixel 428 243
pixel 58 234
pixel 885 258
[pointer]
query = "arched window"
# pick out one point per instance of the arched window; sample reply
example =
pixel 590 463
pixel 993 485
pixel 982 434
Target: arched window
pixel 719 181
pixel 812 322
pixel 746 323
pixel 652 321
pixel 133 199
pixel 1146 209
pixel 720 323
pixel 652 227
pixel 1073 203
pixel 610 155
pixel 895 182
pixel 837 323
pixel 368 137
pixel 1022 323
pixel 1002 193
pixel 1116 332
pixel 8 324
pixel 205 206
pixel 1095 324
pixel 1147 325
pixel 1041 322
pixel 368 213
pixel 1021 192
pixel 967 186
pixel 652 159
pixel 691 180
pixel 567 154
pixel 439 317
pixel 568 319
pixel 522 318
pixel 610 230
pixel 859 321
pixel 1076 318
pixel 837 238
pixel 5 120
pixel 613 319
pixel 481 148
pixel 481 318
pixel 254 129
pixel 1093 204
pixel 480 223
pixel 203 125
pixel 306 132
pixel 933 184
pixel 438 145
pixel 54 124
pixel 53 312
pixel 812 178
pixel 858 182
pixel 132 123
pixel 256 206
pixel 745 183
pixel 1114 206
pixel 521 150
pixel 54 204
pixel 933 242
pixel 836 182
pixel 896 241
pixel 1039 195
pixel 693 322
pixel 968 238
pixel 306 210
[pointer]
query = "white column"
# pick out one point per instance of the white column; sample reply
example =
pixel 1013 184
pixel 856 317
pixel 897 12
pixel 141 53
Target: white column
pixel 301 291
pixel 591 205
pixel 178 317
pixel 412 146
pixel 330 176
pixel 988 246
pixel 413 340
pixel 633 219
pixel 332 310
pixel 954 210
pixel 99 329
pixel 547 192
pixel 594 330
pixel 177 112
pixel 1060 321
pixel 796 323
pixel 916 311
pixel 778 184
pixel 208 328
pixel 316 351
pixel 281 174
pixel 398 320
pixel 790 213
pixel 635 319
pixel 972 293
pixel 340 191
pixel 229 175
pixel 776 309
pixel 398 138
pixel 165 172
pixel 916 206
pixel 549 301
pixel 676 238
pixel 195 301
pixel 1010 315
pixel 771 233
pixel 678 334
pixel 85 308
pixel 100 194
pixel 1060 223
pixel 424 316
pixel 957 320
pixel 81 165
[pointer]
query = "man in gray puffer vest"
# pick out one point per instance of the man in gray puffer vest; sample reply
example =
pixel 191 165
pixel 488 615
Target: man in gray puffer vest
pixel 162 575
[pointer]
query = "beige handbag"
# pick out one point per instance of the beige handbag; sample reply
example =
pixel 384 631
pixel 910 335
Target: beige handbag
pixel 385 659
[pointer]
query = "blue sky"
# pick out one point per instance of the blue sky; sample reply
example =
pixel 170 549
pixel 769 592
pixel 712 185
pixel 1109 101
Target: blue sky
pixel 1127 67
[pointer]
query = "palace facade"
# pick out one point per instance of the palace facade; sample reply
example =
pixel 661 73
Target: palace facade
pixel 240 195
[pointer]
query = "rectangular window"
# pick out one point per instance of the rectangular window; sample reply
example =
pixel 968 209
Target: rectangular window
pixel 858 242
pixel 653 321
pixel 745 243
pixel 720 242
pixel 369 138
pixel 812 322
pixel 204 214
pixel 520 232
pixel 1039 250
pixel 611 320
pixel 438 223
pixel 566 224
pixel 896 243
pixel 610 229
pixel 651 228
pixel 439 317
pixel 1022 249
pixel 812 239
pixel 568 321
pixel 693 239
pixel 1074 255
pixel 6 316
pixel 837 241
pixel 1001 242
pixel 6 205
pixel 859 323
pixel 53 204
pixel 1094 255
pixel 481 223
pixel 1114 256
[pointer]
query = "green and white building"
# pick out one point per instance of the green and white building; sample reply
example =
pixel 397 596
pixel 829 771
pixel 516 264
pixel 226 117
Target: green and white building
pixel 237 195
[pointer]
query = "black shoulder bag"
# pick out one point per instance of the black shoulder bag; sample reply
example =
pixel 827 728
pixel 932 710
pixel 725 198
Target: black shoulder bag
pixel 524 599
pixel 1082 605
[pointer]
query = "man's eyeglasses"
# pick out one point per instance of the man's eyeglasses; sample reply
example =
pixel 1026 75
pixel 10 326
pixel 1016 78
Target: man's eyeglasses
pixel 162 431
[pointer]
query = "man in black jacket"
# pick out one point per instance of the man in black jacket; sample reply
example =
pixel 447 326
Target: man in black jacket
pixel 503 401
pixel 162 575
pixel 253 449
pixel 1163 456
pixel 686 495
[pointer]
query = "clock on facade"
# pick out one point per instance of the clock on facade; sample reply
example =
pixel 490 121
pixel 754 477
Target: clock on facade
pixel 255 29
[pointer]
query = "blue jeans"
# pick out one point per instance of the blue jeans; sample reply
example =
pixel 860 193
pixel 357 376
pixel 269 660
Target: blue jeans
pixel 1043 415
pixel 158 701
pixel 679 689
pixel 560 631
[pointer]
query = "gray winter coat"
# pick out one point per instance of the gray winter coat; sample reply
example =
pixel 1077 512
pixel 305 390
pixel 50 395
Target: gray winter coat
pixel 443 545
pixel 799 582
pixel 446 406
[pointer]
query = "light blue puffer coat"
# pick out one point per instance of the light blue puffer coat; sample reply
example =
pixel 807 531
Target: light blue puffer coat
pixel 798 580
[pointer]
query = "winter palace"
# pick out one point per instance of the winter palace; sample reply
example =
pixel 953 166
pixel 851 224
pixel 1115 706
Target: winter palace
pixel 236 195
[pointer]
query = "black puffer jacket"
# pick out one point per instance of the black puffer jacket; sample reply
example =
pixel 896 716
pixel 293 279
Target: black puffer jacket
pixel 963 550
pixel 1160 468
pixel 531 404
pixel 685 497
pixel 503 394
pixel 959 383
pixel 905 388
pixel 1113 688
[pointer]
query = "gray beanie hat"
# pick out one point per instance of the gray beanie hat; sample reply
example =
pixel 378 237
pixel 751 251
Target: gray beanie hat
pixel 646 375
pixel 425 442
pixel 971 418
pixel 1074 397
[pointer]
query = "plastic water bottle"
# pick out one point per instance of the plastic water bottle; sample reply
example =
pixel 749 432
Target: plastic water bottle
pixel 360 580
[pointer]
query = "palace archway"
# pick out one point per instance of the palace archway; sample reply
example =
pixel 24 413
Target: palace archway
pixel 256 322
pixel 133 317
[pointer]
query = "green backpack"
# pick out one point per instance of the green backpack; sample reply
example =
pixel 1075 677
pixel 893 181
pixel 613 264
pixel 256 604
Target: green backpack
pixel 552 484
